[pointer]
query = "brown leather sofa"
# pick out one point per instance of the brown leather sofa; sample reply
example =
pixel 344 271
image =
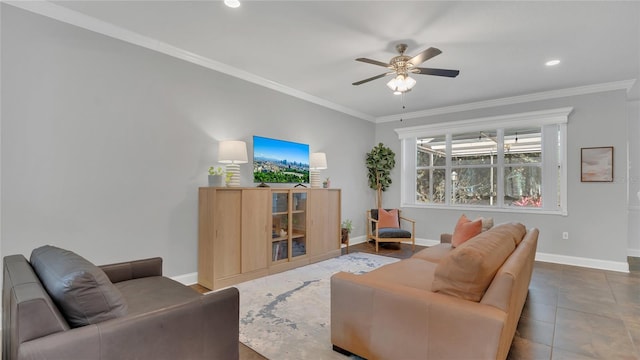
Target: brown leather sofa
pixel 60 306
pixel 442 303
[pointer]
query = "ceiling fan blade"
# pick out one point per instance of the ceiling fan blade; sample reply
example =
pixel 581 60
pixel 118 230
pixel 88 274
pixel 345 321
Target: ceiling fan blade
pixel 424 56
pixel 374 62
pixel 437 72
pixel 371 78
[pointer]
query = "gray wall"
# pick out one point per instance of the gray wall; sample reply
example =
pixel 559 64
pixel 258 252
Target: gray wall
pixel 104 144
pixel 634 177
pixel 597 220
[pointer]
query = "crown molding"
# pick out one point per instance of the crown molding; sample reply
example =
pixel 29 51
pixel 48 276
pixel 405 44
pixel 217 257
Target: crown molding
pixel 538 118
pixel 75 18
pixel 545 95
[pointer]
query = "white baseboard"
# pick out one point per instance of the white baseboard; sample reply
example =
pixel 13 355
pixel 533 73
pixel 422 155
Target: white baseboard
pixel 583 262
pixel 187 279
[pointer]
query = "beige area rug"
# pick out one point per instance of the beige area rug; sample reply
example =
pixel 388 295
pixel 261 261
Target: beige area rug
pixel 287 315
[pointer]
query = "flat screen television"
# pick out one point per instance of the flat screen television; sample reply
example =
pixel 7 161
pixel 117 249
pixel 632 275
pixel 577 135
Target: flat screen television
pixel 280 161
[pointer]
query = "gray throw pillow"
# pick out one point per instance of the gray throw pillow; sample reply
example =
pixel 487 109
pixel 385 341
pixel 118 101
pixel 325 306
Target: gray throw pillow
pixel 81 290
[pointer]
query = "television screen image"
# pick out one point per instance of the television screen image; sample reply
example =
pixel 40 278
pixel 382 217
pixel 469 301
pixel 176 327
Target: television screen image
pixel 280 161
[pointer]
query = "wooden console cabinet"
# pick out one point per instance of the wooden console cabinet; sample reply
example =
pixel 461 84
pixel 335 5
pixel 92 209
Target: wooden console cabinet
pixel 246 233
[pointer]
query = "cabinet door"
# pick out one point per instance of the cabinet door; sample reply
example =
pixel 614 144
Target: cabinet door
pixel 255 225
pixel 206 199
pixel 333 239
pixel 318 221
pixel 226 247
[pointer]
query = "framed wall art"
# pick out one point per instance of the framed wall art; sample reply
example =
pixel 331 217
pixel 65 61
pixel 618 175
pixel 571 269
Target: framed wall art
pixel 596 164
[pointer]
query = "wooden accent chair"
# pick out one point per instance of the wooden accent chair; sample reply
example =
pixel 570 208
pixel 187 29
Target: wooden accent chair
pixel 397 235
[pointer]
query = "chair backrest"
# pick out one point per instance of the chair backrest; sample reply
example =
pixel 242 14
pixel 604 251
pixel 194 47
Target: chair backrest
pixel 373 213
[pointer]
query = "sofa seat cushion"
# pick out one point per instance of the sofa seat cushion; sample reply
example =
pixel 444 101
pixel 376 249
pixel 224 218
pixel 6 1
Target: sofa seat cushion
pixel 469 269
pixel 415 273
pixel 81 290
pixel 154 293
pixel 433 253
pixel 393 233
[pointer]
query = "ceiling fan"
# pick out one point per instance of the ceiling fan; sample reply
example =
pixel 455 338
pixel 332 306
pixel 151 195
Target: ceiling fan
pixel 402 65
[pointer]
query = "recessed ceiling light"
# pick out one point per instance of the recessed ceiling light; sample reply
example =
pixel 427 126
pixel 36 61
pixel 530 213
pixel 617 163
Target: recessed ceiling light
pixel 552 62
pixel 232 3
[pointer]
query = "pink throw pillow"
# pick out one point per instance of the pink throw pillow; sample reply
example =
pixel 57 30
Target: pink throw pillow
pixel 388 219
pixel 465 230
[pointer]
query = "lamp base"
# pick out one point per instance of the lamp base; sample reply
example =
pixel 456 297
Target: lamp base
pixel 314 177
pixel 234 170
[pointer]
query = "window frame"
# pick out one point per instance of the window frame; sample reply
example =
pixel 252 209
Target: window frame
pixel 554 159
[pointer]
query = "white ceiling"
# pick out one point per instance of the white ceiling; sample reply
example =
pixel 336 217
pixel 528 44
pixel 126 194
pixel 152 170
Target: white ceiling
pixel 308 48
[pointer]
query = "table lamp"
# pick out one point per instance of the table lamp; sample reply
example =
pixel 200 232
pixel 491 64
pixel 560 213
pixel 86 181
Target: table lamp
pixel 233 153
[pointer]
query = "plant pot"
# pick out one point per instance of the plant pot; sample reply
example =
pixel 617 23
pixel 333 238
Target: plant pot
pixel 345 236
pixel 216 180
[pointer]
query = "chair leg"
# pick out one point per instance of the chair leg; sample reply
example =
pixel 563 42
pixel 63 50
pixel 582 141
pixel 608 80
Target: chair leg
pixel 376 246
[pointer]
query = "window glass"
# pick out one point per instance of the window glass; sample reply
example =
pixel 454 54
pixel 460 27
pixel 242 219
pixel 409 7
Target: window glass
pixel 522 186
pixel 522 146
pixel 473 186
pixel 430 186
pixel 431 151
pixel 478 148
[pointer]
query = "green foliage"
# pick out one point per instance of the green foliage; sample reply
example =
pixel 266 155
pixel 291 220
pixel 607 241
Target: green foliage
pixel 215 171
pixel 347 224
pixel 380 162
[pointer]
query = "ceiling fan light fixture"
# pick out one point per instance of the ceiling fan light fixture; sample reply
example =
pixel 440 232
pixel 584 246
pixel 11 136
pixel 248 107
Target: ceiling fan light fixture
pixel 401 83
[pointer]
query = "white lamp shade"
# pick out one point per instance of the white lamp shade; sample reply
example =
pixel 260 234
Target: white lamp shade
pixel 232 152
pixel 401 83
pixel 318 161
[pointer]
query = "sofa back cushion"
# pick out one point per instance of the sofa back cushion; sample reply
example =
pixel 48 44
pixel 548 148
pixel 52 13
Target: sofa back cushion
pixel 81 290
pixel 469 269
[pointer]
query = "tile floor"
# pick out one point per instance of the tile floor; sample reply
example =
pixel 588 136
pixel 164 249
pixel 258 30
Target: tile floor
pixel 571 313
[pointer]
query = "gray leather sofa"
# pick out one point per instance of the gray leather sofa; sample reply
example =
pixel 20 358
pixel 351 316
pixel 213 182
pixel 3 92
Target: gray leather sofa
pixel 60 306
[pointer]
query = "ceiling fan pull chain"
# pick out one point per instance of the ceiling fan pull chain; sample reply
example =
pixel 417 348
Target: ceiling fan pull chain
pixel 403 107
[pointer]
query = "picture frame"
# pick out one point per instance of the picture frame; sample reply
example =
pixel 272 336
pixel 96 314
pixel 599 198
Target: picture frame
pixel 596 164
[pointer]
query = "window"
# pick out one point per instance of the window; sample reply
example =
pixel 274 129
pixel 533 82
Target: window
pixel 508 163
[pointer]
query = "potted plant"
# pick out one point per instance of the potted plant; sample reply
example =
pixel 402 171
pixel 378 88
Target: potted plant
pixel 326 183
pixel 346 227
pixel 216 176
pixel 380 161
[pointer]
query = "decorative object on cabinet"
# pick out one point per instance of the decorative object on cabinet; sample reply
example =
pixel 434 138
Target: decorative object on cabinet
pixel 380 161
pixel 596 164
pixel 317 162
pixel 216 176
pixel 233 153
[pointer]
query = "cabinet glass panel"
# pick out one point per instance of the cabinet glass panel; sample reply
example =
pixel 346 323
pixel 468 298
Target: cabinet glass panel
pixel 299 224
pixel 279 226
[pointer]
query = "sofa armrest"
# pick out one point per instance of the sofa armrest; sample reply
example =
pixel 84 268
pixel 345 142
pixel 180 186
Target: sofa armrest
pixel 429 325
pixel 206 327
pixel 445 238
pixel 133 269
